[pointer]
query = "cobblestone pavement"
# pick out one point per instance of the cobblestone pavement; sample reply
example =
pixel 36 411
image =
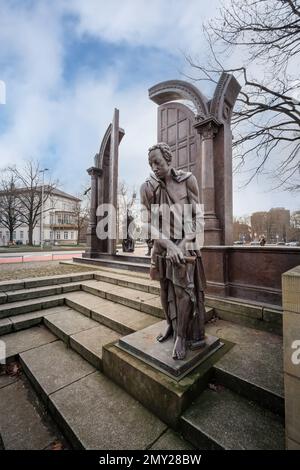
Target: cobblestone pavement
pixel 37 269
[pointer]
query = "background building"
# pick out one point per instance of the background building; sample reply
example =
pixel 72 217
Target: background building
pixel 274 224
pixel 61 215
pixel 241 231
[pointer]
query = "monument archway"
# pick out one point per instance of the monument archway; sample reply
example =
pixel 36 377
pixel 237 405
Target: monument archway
pixel 201 142
pixel 104 186
pixel 176 128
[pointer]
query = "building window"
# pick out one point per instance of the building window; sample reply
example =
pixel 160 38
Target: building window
pixel 22 234
pixel 57 235
pixel 7 234
pixel 0 234
pixel 72 235
pixel 65 235
pixel 14 235
pixel 51 235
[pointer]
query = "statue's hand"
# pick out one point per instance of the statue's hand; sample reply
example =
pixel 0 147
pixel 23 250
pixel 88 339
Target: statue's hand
pixel 175 254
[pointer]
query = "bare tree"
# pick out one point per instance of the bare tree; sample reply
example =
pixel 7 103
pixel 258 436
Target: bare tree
pixel 126 201
pixel 82 214
pixel 10 214
pixel 30 194
pixel 259 41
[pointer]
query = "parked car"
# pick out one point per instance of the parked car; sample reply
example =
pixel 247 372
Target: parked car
pixel 293 244
pixel 280 243
pixel 238 242
pixel 255 243
pixel 19 242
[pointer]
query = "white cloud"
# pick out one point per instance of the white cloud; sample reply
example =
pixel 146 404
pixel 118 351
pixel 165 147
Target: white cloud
pixel 45 114
pixel 172 24
pixel 82 118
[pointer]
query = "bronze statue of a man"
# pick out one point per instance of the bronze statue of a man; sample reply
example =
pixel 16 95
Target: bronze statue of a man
pixel 178 268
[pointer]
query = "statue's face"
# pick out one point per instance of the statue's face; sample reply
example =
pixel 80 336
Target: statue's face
pixel 159 165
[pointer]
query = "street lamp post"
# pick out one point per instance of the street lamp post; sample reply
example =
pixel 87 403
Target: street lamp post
pixel 42 209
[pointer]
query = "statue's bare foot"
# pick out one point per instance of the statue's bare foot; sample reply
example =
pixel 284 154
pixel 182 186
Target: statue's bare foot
pixel 163 336
pixel 179 349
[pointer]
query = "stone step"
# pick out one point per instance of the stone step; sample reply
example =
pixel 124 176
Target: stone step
pixel 37 292
pixel 31 305
pixel 86 336
pixel 257 315
pixel 23 424
pixel 109 271
pixel 137 283
pixel 26 320
pixel 29 283
pixel 145 301
pixel 136 299
pixel 254 366
pixel 115 316
pixel 20 341
pixel 118 264
pixel 92 411
pixel 224 420
pixel 254 314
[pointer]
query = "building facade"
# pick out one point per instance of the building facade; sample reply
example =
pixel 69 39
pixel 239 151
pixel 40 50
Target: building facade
pixel 60 227
pixel 274 224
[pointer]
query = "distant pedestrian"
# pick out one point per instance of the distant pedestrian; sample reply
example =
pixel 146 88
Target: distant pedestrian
pixel 262 240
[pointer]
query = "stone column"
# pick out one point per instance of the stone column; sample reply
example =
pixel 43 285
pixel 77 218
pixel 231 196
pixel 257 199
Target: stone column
pixel 113 172
pixel 91 251
pixel 208 128
pixel 291 352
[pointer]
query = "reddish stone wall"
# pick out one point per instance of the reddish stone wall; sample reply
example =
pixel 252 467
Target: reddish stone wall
pixel 252 273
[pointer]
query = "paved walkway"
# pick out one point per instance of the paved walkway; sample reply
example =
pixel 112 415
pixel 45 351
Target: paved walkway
pixel 25 424
pixel 26 257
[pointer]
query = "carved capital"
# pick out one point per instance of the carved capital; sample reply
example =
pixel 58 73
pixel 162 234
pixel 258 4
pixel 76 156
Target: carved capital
pixel 93 171
pixel 207 128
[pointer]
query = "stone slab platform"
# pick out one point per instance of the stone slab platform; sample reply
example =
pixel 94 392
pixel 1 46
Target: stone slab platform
pixel 93 411
pixel 120 318
pixel 164 396
pixel 21 425
pixel 53 366
pixel 97 414
pixel 254 366
pixel 30 339
pixel 143 345
pixel 224 420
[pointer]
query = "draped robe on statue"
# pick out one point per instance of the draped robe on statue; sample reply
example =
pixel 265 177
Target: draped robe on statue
pixel 177 278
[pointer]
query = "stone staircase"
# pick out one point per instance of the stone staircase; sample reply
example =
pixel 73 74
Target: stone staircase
pixel 64 331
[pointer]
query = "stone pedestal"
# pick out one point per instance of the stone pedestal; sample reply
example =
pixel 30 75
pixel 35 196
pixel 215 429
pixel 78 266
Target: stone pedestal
pixel 291 344
pixel 143 345
pixel 164 394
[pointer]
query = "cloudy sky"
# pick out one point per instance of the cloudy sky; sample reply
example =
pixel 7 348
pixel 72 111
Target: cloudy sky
pixel 67 64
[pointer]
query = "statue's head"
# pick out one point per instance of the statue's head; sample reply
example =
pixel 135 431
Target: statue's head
pixel 160 158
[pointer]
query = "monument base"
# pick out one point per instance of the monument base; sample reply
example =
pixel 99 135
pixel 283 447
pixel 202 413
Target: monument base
pixel 143 345
pixel 166 395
